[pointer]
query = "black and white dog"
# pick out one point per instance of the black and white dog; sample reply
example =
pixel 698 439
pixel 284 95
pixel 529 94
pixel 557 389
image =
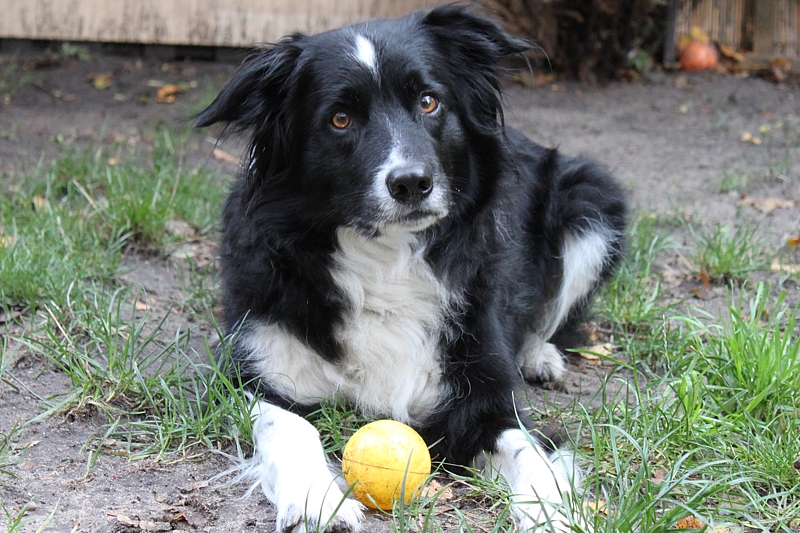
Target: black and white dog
pixel 391 244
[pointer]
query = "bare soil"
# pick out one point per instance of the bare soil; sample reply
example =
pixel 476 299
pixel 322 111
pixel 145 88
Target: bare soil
pixel 671 140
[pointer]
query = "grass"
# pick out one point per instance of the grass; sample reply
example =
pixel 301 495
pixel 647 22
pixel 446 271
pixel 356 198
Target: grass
pixel 11 78
pixel 78 215
pixel 699 416
pixel 726 254
pixel 64 231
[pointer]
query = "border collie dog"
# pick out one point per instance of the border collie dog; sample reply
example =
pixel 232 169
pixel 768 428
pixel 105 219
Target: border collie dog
pixel 391 244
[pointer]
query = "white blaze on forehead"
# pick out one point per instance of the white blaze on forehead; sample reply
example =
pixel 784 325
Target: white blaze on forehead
pixel 365 53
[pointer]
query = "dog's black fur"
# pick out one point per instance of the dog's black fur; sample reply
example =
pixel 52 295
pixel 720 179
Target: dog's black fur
pixel 498 244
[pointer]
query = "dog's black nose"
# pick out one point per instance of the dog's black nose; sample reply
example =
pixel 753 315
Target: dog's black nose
pixel 409 184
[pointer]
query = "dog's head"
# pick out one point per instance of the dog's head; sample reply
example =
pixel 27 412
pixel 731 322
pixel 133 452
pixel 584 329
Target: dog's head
pixel 374 125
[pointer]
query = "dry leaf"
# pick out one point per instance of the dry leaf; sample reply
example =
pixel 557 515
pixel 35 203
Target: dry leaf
pixel 179 228
pixel 658 476
pixel 6 241
pixel 730 53
pixel 39 202
pixel 794 241
pixel 122 518
pixel 433 488
pixel 144 525
pixel 222 155
pixel 166 94
pixel 780 63
pixel 593 353
pixel 683 42
pixel 699 35
pixel 10 315
pixel 101 82
pixel 141 306
pixel 597 507
pixel 194 486
pixel 768 205
pixel 689 522
pixel 776 266
pixel 748 138
pixel 194 519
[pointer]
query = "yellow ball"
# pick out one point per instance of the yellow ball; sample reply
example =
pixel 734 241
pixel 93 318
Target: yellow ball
pixel 379 456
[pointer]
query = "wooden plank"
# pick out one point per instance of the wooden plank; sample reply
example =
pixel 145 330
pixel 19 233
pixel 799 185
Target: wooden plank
pixel 764 27
pixel 192 22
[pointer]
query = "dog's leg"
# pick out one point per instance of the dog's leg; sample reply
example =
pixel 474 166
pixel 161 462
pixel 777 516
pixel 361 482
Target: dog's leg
pixel 538 482
pixel 583 259
pixel 291 466
pixel 540 360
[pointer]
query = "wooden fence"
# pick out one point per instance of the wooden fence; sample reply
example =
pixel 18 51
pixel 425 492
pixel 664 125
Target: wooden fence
pixel 768 27
pixel 187 22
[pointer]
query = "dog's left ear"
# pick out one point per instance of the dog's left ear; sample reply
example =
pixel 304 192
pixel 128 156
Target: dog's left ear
pixel 472 36
pixel 472 44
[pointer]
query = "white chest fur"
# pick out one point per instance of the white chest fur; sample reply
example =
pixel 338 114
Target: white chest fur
pixel 391 361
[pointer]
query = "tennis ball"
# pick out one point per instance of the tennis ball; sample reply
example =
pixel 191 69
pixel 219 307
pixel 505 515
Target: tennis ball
pixel 379 457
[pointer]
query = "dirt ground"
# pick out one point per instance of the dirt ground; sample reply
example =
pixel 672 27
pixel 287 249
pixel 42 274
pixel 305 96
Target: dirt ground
pixel 675 141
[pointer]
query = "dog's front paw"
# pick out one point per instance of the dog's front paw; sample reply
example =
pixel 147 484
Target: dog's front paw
pixel 541 361
pixel 319 508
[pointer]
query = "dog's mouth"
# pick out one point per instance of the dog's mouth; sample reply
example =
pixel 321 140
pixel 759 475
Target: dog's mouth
pixel 417 219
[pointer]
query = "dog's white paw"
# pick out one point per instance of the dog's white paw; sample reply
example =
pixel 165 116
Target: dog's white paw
pixel 318 508
pixel 540 360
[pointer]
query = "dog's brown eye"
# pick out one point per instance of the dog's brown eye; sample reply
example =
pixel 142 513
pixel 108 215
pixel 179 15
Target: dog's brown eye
pixel 428 104
pixel 341 120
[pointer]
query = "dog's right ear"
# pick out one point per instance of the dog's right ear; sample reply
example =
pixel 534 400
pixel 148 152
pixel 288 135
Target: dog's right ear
pixel 250 97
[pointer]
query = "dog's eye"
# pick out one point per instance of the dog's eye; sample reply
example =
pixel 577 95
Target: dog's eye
pixel 428 104
pixel 341 120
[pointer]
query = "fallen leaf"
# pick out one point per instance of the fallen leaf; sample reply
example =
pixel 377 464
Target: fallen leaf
pixel 698 34
pixel 780 63
pixel 144 525
pixel 38 202
pixel 101 82
pixel 179 228
pixel 167 93
pixel 689 522
pixel 597 507
pixel 194 486
pixel 794 241
pixel 195 519
pixel 776 266
pixel 658 476
pixel 730 53
pixel 705 279
pixel 222 155
pixel 593 353
pixel 748 138
pixel 9 315
pixel 141 306
pixel 768 205
pixel 433 488
pixel 6 241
